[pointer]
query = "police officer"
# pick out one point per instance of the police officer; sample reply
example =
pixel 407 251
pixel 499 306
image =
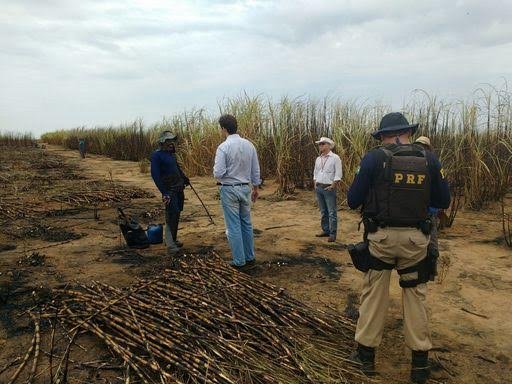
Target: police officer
pixel 395 185
pixel 171 181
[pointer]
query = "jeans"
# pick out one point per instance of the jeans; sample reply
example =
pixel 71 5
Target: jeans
pixel 236 204
pixel 327 205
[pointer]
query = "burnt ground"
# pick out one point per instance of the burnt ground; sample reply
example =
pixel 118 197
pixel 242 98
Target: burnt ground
pixel 58 217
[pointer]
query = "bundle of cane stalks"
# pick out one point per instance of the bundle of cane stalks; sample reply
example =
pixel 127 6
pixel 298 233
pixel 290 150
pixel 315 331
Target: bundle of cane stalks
pixel 204 322
pixel 13 210
pixel 100 194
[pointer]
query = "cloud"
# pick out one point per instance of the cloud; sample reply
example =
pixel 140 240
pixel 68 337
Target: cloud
pixel 70 63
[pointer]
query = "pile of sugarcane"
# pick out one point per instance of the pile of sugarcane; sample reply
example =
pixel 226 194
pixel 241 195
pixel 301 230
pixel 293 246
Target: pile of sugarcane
pixel 44 161
pixel 14 209
pixel 100 194
pixel 202 322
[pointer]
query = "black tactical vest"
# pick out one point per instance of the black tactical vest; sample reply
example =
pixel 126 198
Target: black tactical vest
pixel 400 191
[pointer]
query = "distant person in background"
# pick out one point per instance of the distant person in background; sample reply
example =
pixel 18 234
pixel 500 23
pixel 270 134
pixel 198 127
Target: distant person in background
pixel 237 168
pixel 326 176
pixel 81 147
pixel 171 181
pixel 433 245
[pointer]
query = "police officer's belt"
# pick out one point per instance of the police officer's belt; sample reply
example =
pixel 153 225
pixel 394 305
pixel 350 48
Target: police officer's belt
pixel 371 225
pixel 384 224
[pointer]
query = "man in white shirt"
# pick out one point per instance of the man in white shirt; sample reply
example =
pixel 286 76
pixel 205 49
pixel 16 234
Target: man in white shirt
pixel 236 166
pixel 327 175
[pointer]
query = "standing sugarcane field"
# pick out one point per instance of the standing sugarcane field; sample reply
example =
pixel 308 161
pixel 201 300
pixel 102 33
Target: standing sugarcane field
pixel 255 192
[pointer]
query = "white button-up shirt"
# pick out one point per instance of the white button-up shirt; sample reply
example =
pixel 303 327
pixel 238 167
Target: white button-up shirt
pixel 236 161
pixel 327 168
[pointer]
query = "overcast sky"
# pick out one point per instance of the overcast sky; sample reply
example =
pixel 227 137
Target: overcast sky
pixel 66 63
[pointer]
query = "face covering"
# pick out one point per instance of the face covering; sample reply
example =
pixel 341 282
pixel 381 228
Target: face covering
pixel 169 147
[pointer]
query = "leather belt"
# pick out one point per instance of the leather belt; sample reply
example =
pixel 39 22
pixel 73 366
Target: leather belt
pixel 232 185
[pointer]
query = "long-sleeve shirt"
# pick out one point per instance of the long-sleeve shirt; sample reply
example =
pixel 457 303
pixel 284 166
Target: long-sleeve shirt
pixel 439 191
pixel 163 163
pixel 236 162
pixel 327 168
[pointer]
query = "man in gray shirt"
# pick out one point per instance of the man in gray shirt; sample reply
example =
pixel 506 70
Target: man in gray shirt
pixel 236 166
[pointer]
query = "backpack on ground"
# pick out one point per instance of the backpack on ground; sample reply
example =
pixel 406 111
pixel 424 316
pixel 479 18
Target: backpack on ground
pixel 133 233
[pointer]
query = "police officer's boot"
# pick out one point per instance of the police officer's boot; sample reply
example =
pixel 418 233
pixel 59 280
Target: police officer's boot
pixel 420 368
pixel 364 357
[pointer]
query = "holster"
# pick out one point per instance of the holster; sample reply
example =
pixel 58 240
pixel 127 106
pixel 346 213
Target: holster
pixel 425 226
pixel 426 269
pixel 421 270
pixel 360 255
pixel 370 225
pixel 363 260
pixel 432 257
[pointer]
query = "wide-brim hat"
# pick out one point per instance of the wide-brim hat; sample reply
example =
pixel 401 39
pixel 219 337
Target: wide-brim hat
pixel 326 140
pixel 167 136
pixel 423 140
pixel 394 122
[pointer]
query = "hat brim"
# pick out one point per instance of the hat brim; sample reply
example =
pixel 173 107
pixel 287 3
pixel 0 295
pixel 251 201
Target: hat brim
pixel 413 127
pixel 162 140
pixel 324 141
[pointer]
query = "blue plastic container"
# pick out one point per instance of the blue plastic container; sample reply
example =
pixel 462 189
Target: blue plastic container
pixel 155 233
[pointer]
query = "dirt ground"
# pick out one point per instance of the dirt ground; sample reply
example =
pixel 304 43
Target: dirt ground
pixel 469 310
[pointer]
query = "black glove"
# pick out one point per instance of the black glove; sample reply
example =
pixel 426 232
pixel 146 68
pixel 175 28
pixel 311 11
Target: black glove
pixel 186 180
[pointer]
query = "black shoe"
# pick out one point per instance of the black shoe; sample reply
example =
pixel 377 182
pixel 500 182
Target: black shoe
pixel 250 262
pixel 238 267
pixel 364 357
pixel 323 234
pixel 179 244
pixel 420 367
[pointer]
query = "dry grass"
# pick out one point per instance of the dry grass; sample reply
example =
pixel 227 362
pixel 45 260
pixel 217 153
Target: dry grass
pixel 144 166
pixel 17 139
pixel 472 138
pixel 506 220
